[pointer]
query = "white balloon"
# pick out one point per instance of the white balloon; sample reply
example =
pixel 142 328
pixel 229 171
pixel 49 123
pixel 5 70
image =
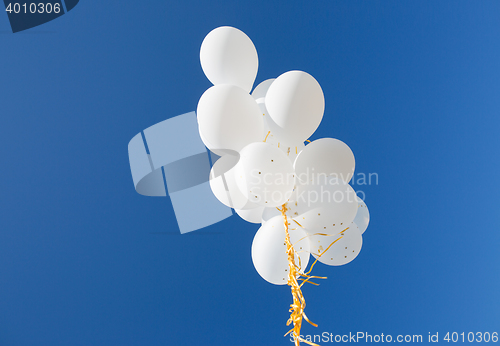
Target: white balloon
pixel 324 207
pixel 362 218
pixel 220 152
pixel 229 118
pixel 266 133
pixel 296 104
pixel 291 150
pixel 259 95
pixel 264 174
pixel 224 186
pixel 269 250
pixel 343 251
pixel 228 56
pixel 251 215
pixel 260 91
pixel 325 156
pixel 269 213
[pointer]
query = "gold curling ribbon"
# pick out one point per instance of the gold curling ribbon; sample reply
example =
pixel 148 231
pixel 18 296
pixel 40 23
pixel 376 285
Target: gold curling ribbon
pixel 299 303
pixel 265 139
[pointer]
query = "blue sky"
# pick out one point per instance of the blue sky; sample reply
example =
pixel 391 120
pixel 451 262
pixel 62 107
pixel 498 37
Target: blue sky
pixel 412 87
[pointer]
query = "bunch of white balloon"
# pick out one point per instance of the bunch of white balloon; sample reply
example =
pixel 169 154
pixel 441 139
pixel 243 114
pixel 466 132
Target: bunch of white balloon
pixel 265 171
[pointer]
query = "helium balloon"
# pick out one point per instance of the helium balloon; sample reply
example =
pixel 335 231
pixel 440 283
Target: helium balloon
pixel 267 136
pixel 343 251
pixel 260 91
pixel 264 174
pixel 325 156
pixel 229 118
pixel 296 104
pixel 269 213
pixel 292 150
pixel 259 94
pixel 220 152
pixel 228 56
pixel 269 250
pixel 224 186
pixel 251 215
pixel 324 207
pixel 267 174
pixel 362 218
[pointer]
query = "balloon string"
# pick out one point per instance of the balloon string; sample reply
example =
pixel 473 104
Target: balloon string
pixel 299 302
pixel 265 139
pixel 294 274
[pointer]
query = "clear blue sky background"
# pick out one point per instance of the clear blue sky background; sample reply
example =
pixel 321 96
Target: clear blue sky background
pixel 413 87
